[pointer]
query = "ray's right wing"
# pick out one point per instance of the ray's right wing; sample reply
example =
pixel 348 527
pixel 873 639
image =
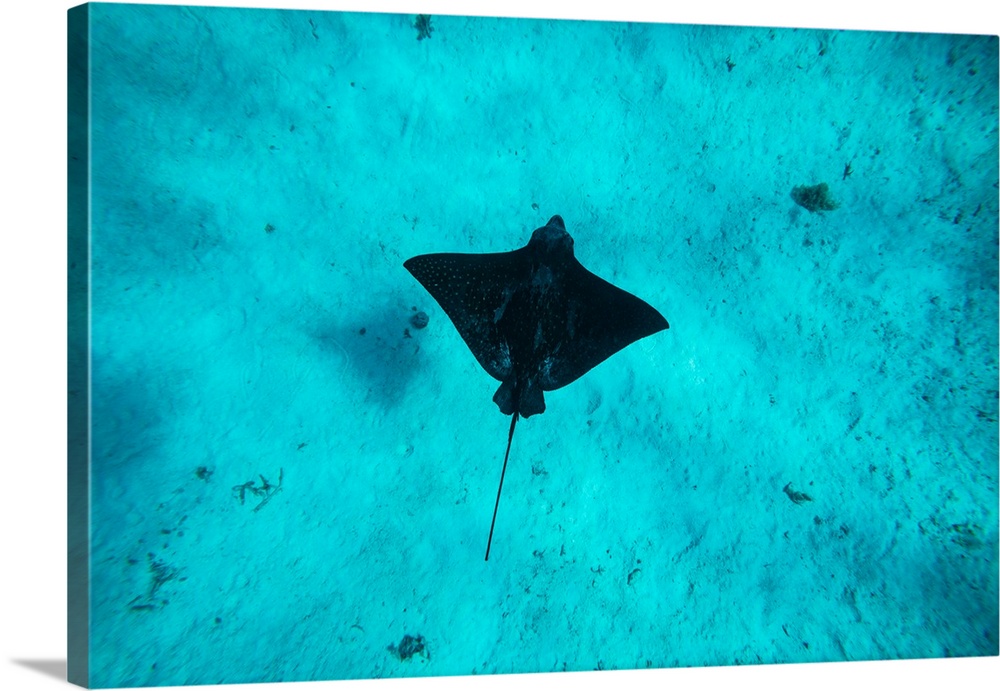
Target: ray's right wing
pixel 602 319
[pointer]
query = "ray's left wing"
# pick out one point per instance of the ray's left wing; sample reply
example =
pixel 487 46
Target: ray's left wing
pixel 470 289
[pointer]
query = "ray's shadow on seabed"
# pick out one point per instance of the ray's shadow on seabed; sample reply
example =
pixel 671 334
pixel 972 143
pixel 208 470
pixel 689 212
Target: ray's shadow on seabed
pixel 382 348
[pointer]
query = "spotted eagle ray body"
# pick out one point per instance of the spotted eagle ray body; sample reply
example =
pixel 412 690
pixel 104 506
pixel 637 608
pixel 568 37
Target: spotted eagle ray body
pixel 535 318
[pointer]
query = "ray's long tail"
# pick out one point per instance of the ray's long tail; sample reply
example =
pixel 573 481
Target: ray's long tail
pixel 510 438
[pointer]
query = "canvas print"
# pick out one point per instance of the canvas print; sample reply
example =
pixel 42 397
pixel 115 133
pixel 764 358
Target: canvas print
pixel 420 345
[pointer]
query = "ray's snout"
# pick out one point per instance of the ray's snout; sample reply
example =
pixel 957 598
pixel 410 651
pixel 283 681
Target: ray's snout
pixel 552 239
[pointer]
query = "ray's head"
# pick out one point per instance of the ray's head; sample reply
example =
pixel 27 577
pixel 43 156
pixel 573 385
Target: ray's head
pixel 551 242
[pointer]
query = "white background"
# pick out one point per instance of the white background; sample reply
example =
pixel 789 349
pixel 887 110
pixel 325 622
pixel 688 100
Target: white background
pixel 33 334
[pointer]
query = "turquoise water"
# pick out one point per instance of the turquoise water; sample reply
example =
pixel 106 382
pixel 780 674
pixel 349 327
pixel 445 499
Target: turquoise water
pixel 291 482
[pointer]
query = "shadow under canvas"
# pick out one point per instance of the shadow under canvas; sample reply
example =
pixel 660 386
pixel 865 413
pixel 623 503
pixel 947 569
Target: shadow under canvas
pixel 50 668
